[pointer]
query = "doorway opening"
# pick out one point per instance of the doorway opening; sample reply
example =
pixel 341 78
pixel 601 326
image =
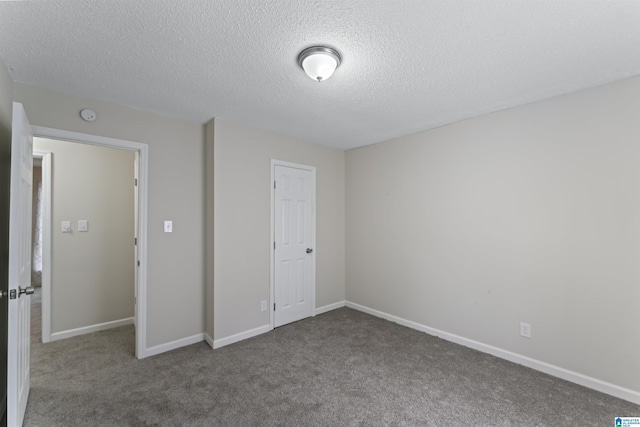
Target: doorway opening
pixel 79 227
pixel 41 246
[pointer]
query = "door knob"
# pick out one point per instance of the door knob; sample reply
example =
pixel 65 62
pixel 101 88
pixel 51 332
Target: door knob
pixel 28 291
pixel 309 250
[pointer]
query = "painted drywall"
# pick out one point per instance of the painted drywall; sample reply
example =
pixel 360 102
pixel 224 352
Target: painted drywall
pixel 209 241
pixel 176 188
pixel 92 273
pixel 530 215
pixel 6 102
pixel 242 188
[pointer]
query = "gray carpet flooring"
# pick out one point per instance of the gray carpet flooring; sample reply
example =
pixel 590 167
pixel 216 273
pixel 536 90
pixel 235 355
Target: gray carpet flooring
pixel 342 368
pixel 36 316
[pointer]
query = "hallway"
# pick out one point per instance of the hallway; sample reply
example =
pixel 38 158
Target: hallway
pixel 36 317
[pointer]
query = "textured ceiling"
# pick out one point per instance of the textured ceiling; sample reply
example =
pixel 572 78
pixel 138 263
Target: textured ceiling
pixel 408 65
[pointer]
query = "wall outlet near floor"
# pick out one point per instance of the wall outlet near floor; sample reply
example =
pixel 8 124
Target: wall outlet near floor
pixel 525 330
pixel 263 305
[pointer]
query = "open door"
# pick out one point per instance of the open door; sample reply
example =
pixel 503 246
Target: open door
pixel 19 266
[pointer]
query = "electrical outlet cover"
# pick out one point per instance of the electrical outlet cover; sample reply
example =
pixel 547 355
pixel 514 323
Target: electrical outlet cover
pixel 525 330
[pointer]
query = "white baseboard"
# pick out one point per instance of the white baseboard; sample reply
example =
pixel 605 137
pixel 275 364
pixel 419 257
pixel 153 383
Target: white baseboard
pixel 241 336
pixel 92 328
pixel 182 342
pixel 330 307
pixel 209 340
pixel 556 371
pixel 262 329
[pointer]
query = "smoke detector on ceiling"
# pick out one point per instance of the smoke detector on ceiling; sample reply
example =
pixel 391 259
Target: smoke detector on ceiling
pixel 88 115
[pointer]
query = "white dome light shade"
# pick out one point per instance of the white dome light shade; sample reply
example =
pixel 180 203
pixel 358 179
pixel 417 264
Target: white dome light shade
pixel 319 66
pixel 319 62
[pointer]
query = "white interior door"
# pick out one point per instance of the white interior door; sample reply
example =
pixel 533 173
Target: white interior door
pixel 19 266
pixel 294 243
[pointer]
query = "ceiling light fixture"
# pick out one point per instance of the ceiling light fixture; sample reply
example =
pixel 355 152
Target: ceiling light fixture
pixel 319 62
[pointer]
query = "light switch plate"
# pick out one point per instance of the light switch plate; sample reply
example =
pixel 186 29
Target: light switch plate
pixel 83 225
pixel 66 226
pixel 168 226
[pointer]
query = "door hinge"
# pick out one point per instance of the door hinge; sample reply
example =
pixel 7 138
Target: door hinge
pixel 135 182
pixel 274 306
pixel 274 184
pixel 135 241
pixel 138 263
pixel 274 246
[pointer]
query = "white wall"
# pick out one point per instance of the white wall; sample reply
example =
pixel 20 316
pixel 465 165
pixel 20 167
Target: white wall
pixel 209 240
pixel 530 214
pixel 242 188
pixel 176 188
pixel 92 273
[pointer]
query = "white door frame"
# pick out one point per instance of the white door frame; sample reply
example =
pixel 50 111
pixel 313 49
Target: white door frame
pixel 143 171
pixel 46 242
pixel 272 280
